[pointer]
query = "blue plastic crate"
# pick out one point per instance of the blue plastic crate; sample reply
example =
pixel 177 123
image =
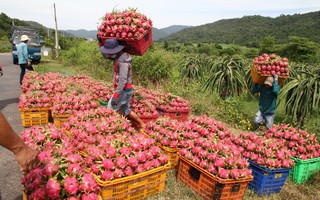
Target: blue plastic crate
pixel 267 181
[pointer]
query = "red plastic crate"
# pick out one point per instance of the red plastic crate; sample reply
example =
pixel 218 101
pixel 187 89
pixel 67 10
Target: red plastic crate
pixel 136 47
pixel 145 119
pixel 208 186
pixel 173 114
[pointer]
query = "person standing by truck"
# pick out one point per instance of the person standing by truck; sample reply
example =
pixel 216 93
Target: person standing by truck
pixel 23 57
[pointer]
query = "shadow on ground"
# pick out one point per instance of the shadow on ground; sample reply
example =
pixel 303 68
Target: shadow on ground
pixel 5 102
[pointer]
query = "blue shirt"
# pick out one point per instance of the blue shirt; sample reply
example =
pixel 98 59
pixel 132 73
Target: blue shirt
pixel 22 51
pixel 268 97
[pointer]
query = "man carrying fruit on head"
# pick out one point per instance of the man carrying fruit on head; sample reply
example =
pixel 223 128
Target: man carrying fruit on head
pixel 122 79
pixel 267 101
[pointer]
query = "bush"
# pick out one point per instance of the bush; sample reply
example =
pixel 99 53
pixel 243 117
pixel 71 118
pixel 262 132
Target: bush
pixel 155 65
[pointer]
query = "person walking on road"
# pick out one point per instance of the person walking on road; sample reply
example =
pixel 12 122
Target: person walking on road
pixel 23 58
pixel 122 79
pixel 267 101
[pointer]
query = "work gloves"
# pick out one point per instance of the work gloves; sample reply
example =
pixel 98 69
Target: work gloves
pixel 114 101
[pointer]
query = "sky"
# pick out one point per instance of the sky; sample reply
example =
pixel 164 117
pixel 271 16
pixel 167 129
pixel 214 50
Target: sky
pixel 87 14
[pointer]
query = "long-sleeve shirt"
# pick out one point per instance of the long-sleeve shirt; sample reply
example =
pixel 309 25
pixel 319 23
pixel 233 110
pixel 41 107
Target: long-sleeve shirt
pixel 122 77
pixel 22 51
pixel 268 97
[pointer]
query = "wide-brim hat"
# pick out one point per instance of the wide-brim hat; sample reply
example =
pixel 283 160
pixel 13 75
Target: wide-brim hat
pixel 269 81
pixel 111 46
pixel 24 38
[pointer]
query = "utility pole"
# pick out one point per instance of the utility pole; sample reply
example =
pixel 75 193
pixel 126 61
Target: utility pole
pixel 56 35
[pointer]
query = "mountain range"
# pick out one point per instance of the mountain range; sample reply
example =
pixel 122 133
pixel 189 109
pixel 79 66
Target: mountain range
pixel 156 33
pixel 247 30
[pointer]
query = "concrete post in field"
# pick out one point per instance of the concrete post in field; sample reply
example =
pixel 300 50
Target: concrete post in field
pixel 56 32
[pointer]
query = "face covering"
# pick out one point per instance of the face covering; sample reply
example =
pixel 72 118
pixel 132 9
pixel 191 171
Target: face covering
pixel 112 56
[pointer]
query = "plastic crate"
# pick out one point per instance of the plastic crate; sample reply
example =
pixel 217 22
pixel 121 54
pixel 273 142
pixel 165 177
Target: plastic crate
pixel 34 116
pixel 138 186
pixel 133 46
pixel 304 169
pixel 267 181
pixel 25 196
pixel 145 119
pixel 173 114
pixel 59 119
pixel 258 78
pixel 172 153
pixel 208 186
pixel 173 156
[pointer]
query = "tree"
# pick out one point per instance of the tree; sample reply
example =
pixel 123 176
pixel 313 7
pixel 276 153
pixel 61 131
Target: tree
pixel 267 45
pixel 301 50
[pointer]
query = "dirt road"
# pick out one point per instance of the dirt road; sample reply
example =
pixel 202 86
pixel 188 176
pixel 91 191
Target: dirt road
pixel 10 175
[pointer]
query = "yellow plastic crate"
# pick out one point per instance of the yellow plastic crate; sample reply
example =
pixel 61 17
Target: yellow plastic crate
pixel 138 186
pixel 259 78
pixel 59 119
pixel 34 116
pixel 172 153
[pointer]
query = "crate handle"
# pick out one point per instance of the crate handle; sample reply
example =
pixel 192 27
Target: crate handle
pixel 235 188
pixel 146 37
pixel 278 175
pixel 218 191
pixel 194 173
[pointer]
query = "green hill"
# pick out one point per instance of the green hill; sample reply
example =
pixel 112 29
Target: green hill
pixel 249 30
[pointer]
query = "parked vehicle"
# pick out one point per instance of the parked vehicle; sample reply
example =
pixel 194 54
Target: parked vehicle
pixel 34 44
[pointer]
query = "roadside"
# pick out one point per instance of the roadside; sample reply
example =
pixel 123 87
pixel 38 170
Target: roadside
pixel 10 174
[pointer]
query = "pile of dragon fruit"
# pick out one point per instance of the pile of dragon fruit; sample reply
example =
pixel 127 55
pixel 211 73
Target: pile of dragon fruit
pixel 64 95
pixel 97 144
pixel 128 24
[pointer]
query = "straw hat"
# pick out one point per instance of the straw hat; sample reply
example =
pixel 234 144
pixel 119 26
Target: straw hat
pixel 269 81
pixel 24 38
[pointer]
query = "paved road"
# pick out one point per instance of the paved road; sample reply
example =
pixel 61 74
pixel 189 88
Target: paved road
pixel 10 175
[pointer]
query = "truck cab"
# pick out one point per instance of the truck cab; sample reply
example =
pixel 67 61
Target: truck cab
pixel 34 44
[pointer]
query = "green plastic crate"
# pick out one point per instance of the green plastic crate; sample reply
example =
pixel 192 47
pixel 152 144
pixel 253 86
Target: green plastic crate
pixel 304 169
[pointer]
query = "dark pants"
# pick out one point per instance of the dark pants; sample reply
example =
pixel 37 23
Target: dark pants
pixel 23 68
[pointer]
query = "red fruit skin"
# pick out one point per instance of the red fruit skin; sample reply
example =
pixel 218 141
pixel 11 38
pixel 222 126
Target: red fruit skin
pixel 269 68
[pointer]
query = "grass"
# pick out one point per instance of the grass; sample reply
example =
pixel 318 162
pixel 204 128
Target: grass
pixel 179 191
